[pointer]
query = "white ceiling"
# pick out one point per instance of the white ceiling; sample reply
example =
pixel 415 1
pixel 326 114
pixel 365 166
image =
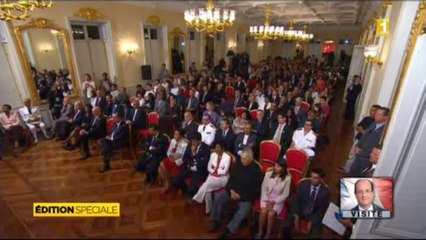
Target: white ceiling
pixel 312 12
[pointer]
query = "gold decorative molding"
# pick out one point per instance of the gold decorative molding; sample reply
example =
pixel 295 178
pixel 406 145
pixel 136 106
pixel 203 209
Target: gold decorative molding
pixel 418 28
pixel 41 22
pixel 178 32
pixel 89 14
pixel 154 20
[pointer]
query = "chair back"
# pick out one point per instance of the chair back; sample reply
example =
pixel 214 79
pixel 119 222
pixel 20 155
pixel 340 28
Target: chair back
pixel 297 162
pixel 230 91
pixel 253 114
pixel 153 118
pixel 251 84
pixel 110 125
pixel 266 166
pixel 239 111
pixel 306 106
pixel 168 140
pixel 233 161
pixel 269 151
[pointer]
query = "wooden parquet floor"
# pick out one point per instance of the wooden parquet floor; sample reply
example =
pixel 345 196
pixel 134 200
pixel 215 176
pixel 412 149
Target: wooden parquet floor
pixel 47 173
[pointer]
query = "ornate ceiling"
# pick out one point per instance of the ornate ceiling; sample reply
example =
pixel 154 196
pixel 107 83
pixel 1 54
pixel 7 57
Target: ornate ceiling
pixel 312 12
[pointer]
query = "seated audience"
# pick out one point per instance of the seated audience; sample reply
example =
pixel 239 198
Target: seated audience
pixel 310 204
pixel 305 139
pixel 64 127
pixel 226 135
pixel 261 126
pixel 189 126
pixel 192 102
pixel 282 134
pixel 246 139
pixel 252 103
pixel 12 125
pixel 172 165
pixel 275 190
pixel 218 168
pixel 119 138
pixel 156 145
pixel 240 122
pixel 74 135
pixel 136 116
pixel 195 160
pixel 243 188
pixel 32 119
pixel 162 107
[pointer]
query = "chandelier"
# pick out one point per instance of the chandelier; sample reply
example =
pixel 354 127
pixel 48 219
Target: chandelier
pixel 210 19
pixel 297 35
pixel 266 32
pixel 20 9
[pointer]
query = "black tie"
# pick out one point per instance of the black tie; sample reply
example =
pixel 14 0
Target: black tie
pixel 310 204
pixel 204 128
pixel 29 110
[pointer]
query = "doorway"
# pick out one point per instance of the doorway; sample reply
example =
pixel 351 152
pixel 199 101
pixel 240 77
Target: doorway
pixel 154 45
pixel 90 44
pixel 209 49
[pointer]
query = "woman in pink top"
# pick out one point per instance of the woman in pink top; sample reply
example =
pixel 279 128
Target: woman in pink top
pixel 11 124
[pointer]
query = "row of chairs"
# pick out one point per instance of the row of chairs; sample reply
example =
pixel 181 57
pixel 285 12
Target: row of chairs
pixel 253 113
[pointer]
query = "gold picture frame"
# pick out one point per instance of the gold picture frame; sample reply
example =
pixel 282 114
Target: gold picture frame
pixel 43 23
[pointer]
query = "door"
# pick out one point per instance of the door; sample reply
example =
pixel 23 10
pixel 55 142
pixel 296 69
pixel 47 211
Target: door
pixel 154 51
pixel 90 49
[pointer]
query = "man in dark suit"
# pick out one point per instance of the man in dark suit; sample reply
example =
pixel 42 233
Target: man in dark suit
pixel 66 112
pixel 189 126
pixel 161 106
pixel 271 114
pixel 352 94
pixel 369 140
pixel 252 104
pixel 136 116
pixel 310 203
pixel 96 130
pixel 64 127
pixel 275 97
pixel 116 107
pixel 260 126
pixel 240 85
pixel 192 102
pixel 226 135
pixel 238 100
pixel 244 140
pixel 99 100
pixel 195 160
pixel 364 193
pixel 282 134
pixel 156 146
pixel 119 138
pixel 205 97
pixel 301 113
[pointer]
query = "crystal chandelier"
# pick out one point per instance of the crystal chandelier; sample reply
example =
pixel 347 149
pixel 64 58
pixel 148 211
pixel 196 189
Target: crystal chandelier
pixel 297 35
pixel 20 9
pixel 267 32
pixel 210 19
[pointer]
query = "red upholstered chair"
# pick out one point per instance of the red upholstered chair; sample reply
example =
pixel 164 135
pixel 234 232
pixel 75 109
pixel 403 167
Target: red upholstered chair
pixel 297 162
pixel 306 106
pixel 240 111
pixel 230 91
pixel 253 114
pixel 110 125
pixel 153 118
pixel 252 84
pixel 269 151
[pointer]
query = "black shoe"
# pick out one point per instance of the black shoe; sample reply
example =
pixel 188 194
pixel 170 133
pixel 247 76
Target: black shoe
pixel 104 169
pixel 224 234
pixel 214 227
pixel 70 147
pixel 85 156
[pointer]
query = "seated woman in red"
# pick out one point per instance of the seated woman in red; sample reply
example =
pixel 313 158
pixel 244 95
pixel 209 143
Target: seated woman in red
pixel 170 167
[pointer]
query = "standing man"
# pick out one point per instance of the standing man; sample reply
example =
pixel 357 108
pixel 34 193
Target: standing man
pixel 310 203
pixel 192 102
pixel 352 94
pixel 119 138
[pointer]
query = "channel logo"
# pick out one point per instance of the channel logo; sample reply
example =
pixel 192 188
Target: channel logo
pixel 76 209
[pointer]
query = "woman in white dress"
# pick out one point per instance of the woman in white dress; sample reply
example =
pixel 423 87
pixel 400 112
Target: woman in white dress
pixel 88 85
pixel 275 190
pixel 218 168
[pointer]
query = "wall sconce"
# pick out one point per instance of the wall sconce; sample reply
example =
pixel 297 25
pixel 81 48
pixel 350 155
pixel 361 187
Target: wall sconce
pixel 46 48
pixel 370 53
pixel 260 44
pixel 232 45
pixel 130 48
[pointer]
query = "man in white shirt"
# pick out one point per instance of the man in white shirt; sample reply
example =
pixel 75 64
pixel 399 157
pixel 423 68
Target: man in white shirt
pixel 305 139
pixel 260 99
pixel 32 119
pixel 207 130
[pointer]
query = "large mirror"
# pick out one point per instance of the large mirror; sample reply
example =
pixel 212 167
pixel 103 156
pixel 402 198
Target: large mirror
pixel 46 56
pixel 177 44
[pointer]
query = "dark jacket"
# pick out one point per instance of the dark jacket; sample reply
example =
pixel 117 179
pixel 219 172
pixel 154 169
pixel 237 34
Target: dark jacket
pixel 120 133
pixel 240 102
pixel 109 109
pixel 97 127
pixel 251 142
pixel 253 107
pixel 228 140
pixel 286 138
pixel 190 129
pixel 246 181
pixel 200 159
pixel 321 203
pixel 157 146
pixel 353 92
pixel 78 118
pixel 140 121
pixel 261 129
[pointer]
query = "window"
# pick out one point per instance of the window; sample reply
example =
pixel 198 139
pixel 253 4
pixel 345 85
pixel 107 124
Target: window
pixel 77 32
pixel 153 33
pixel 93 32
pixel 146 33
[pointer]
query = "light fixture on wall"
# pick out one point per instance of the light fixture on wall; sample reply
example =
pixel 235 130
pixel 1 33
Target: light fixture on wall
pixel 232 45
pixel 130 49
pixel 260 44
pixel 20 10
pixel 46 48
pixel 209 20
pixel 370 54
